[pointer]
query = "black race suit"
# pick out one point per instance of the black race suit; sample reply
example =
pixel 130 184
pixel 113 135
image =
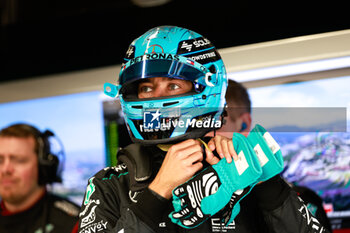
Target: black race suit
pixel 55 214
pixel 114 202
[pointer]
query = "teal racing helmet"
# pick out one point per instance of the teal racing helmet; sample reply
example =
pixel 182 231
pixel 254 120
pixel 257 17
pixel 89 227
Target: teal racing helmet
pixel 178 53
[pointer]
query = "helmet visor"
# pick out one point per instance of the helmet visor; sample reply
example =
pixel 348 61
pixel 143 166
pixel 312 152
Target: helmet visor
pixel 162 68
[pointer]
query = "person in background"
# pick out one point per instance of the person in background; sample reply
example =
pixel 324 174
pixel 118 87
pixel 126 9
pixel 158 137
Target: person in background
pixel 238 110
pixel 26 167
pixel 239 119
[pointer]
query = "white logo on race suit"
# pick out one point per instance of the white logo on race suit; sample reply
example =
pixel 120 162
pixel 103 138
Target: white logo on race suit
pixel 90 189
pixel 97 202
pixel 120 167
pixel 89 218
pixel 95 227
pixel 217 226
pixel 133 196
pixel 162 224
pixel 311 220
pixel 88 224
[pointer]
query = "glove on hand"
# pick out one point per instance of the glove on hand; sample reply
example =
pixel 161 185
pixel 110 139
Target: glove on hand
pixel 270 157
pixel 271 161
pixel 268 152
pixel 216 187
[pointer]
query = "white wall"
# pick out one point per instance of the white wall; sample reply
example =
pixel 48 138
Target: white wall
pixel 239 58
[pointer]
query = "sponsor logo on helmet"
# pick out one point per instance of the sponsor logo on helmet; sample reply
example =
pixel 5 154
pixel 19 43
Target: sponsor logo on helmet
pixel 130 53
pixel 203 56
pixel 155 48
pixel 193 45
pixel 151 56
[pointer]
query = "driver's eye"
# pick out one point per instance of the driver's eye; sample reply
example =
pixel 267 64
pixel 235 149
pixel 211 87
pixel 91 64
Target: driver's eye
pixel 174 86
pixel 145 89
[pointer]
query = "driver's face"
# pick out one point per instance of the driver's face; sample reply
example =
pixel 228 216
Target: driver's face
pixel 162 86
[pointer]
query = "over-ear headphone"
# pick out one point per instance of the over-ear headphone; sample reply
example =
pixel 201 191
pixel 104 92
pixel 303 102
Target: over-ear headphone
pixel 49 166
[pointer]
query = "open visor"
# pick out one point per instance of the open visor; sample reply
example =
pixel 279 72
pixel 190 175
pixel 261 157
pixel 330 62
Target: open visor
pixel 151 65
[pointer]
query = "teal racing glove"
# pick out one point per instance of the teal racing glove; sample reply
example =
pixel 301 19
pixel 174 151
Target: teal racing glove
pixel 270 158
pixel 218 186
pixel 267 151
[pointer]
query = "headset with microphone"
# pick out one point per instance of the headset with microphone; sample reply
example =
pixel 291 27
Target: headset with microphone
pixel 49 165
